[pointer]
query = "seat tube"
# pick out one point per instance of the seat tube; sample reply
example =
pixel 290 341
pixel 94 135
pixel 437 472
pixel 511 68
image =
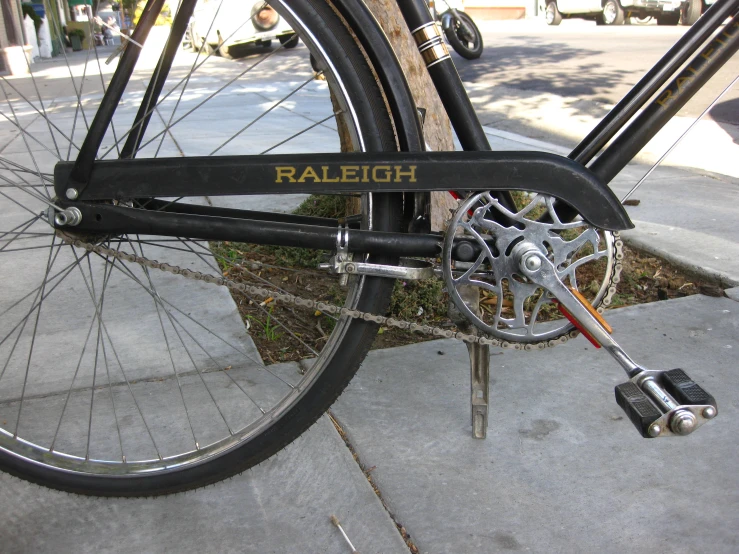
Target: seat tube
pixel 427 34
pixel 94 138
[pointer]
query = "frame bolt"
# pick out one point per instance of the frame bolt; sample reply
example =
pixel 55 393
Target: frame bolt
pixel 709 412
pixel 350 268
pixel 655 430
pixel 72 194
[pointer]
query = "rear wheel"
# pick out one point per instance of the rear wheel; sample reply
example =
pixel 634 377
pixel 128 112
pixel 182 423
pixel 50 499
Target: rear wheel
pixel 119 379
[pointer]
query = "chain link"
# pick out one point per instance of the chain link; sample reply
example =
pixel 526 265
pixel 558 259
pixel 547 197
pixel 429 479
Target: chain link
pixel 332 309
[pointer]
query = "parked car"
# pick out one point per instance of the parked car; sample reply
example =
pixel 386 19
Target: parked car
pixel 617 12
pixel 227 25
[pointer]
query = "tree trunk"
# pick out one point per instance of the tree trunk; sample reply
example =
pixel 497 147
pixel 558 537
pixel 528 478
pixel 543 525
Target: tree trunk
pixel 437 130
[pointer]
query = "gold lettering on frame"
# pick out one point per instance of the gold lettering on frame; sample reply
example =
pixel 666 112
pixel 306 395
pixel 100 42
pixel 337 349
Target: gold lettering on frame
pixel 325 178
pixel 285 173
pixel 680 81
pixel 385 177
pixel 410 172
pixel 309 173
pixel 349 174
pixel 665 98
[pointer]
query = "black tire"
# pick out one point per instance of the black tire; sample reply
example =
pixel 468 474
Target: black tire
pixel 324 379
pixel 690 11
pixel 668 18
pixel 289 41
pixel 464 36
pixel 613 13
pixel 551 14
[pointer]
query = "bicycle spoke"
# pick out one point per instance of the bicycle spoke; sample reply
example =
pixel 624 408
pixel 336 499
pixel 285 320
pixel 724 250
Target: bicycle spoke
pixel 33 339
pixel 298 134
pixel 120 365
pixel 263 114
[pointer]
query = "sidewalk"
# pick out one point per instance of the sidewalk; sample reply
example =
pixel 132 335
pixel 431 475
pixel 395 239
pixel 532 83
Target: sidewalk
pixel 562 470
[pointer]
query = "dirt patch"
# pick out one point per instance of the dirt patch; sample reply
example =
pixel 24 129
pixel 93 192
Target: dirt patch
pixel 644 279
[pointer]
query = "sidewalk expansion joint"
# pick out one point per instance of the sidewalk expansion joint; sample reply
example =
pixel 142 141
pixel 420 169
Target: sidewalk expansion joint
pixel 368 474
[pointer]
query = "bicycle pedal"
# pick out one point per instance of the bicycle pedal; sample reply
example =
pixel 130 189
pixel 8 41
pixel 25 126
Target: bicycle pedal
pixel 665 403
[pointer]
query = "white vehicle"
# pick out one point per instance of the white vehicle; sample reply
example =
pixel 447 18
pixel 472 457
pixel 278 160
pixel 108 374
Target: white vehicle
pixel 224 25
pixel 616 12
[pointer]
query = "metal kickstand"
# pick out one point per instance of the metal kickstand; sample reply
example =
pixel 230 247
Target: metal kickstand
pixel 479 362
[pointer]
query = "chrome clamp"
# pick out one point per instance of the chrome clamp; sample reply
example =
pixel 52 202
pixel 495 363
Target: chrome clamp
pixel 344 265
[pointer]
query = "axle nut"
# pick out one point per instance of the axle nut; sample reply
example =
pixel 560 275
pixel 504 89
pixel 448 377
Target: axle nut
pixel 532 262
pixel 683 422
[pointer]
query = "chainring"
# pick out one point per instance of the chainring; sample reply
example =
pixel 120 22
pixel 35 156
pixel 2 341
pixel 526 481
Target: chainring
pixel 511 307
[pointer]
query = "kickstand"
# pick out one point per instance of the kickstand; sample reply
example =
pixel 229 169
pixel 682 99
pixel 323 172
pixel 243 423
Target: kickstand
pixel 479 362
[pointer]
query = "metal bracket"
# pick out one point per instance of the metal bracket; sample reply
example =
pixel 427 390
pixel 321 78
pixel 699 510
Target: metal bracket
pixel 409 269
pixel 344 265
pixel 479 362
pixel 343 255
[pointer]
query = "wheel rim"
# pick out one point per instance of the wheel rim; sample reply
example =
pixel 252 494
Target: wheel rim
pixel 98 411
pixel 609 13
pixel 550 13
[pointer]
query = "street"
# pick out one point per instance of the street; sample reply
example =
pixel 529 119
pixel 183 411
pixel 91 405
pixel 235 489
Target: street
pixel 581 60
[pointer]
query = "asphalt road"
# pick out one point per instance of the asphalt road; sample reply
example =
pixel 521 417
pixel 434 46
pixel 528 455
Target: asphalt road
pixel 581 60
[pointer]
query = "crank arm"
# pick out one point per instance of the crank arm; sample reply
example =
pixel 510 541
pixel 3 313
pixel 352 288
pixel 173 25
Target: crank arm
pixel 658 403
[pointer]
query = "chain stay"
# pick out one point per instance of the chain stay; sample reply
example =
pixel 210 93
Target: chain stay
pixel 343 311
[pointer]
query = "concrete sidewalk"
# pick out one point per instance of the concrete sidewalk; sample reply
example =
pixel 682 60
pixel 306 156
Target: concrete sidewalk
pixel 561 469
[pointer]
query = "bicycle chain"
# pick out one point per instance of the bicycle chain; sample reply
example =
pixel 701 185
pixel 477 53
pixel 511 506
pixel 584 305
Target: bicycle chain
pixel 332 309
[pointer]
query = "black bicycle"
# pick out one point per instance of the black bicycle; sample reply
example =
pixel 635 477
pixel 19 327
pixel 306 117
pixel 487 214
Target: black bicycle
pixel 176 310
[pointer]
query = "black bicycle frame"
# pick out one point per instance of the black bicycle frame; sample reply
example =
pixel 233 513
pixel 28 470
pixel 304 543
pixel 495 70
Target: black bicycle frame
pixel 582 189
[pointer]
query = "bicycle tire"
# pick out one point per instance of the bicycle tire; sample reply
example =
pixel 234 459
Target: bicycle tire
pixel 355 95
pixel 469 47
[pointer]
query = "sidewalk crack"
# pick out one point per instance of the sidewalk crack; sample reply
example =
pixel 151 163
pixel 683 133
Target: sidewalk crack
pixel 368 475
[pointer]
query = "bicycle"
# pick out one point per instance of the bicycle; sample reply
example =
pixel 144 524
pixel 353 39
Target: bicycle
pixel 174 392
pixel 459 29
